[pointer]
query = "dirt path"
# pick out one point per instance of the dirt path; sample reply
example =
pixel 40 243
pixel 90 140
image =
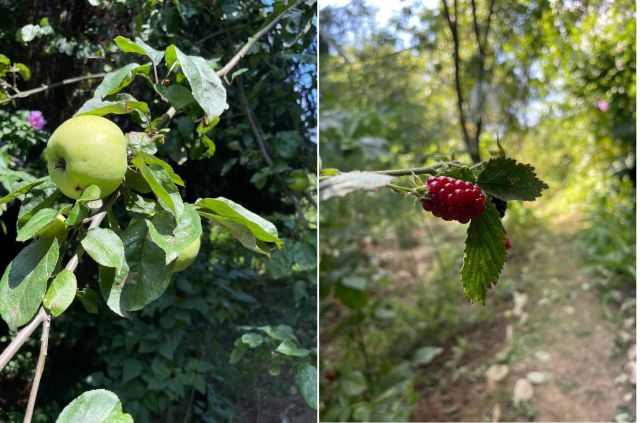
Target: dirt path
pixel 555 327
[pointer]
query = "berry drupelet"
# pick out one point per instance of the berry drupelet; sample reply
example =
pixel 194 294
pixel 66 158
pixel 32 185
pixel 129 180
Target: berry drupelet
pixel 453 199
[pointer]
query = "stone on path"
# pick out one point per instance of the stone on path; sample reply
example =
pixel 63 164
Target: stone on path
pixel 542 356
pixel 523 391
pixel 496 412
pixel 519 299
pixel 538 378
pixel 495 374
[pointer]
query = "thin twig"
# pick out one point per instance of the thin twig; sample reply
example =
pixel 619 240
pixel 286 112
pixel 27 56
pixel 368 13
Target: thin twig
pixel 21 338
pixel 44 343
pixel 168 115
pixel 45 318
pixel 412 171
pixel 45 87
pixel 453 26
pixel 245 49
pixel 476 27
pixel 257 133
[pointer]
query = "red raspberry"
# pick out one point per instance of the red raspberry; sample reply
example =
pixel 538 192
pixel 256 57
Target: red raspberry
pixel 453 199
pixel 507 243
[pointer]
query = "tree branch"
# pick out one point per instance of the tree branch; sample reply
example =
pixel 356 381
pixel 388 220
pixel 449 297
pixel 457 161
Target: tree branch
pixel 476 27
pixel 412 171
pixel 21 338
pixel 245 49
pixel 45 87
pixel 44 343
pixel 257 133
pixel 170 113
pixel 45 318
pixel 453 26
pixel 488 25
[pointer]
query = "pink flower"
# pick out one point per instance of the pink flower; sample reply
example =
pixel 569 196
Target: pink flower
pixel 36 120
pixel 603 106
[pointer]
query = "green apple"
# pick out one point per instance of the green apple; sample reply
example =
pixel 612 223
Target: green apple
pixel 187 256
pixel 298 181
pixel 53 228
pixel 87 150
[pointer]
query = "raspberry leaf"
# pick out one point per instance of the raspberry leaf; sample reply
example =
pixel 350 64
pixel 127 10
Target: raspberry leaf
pixel 484 254
pixel 509 180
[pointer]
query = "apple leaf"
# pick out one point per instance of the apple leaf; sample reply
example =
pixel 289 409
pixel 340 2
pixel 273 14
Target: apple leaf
pixel 61 293
pixel 40 197
pixel 141 141
pixel 89 299
pixel 115 81
pixel 238 231
pixel 105 247
pixel 24 282
pixel 90 193
pixel 111 284
pixel 178 96
pixel 290 347
pixel 174 235
pixel 161 184
pixel 153 160
pixel 78 212
pixel 137 204
pixel 307 380
pixel 97 406
pixel 139 47
pixel 23 190
pixel 206 86
pixel 118 104
pixel 39 220
pixel 148 275
pixel 261 228
pixel 128 46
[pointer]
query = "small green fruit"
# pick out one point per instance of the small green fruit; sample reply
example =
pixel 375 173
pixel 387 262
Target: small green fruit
pixel 298 181
pixel 87 150
pixel 187 256
pixel 54 228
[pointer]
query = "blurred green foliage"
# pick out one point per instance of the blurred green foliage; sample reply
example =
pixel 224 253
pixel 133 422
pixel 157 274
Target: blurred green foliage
pixel 171 362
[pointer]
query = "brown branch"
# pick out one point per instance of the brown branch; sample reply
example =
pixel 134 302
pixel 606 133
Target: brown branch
pixel 257 134
pixel 412 171
pixel 45 318
pixel 170 113
pixel 482 72
pixel 45 87
pixel 21 338
pixel 245 49
pixel 453 26
pixel 476 27
pixel 488 25
pixel 44 343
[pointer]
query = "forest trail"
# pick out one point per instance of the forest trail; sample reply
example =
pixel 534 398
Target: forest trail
pixel 566 359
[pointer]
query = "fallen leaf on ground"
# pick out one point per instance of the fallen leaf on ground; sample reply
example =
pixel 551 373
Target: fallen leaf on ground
pixel 538 378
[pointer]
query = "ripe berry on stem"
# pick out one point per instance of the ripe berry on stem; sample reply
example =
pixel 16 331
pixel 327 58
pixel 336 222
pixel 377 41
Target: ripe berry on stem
pixel 453 199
